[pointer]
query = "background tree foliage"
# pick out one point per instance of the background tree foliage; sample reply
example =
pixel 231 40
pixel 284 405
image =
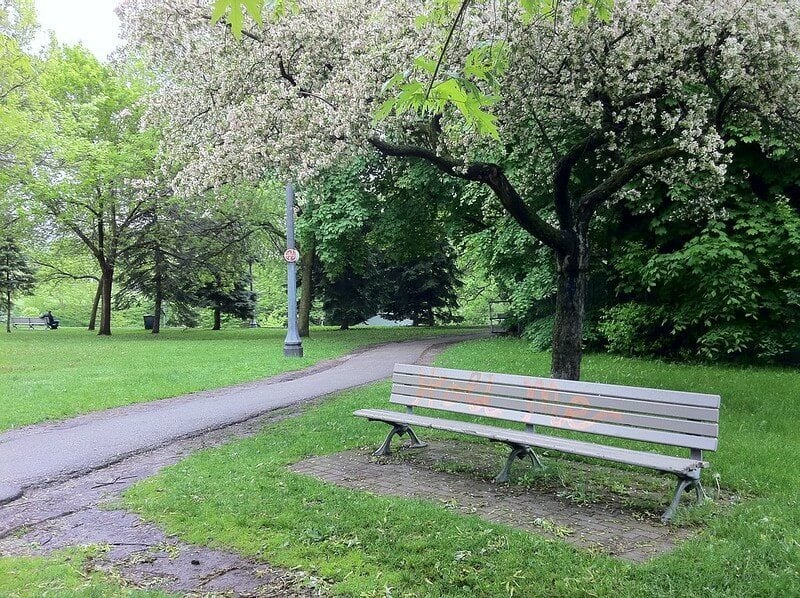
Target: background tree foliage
pixel 636 169
pixel 16 273
pixel 381 237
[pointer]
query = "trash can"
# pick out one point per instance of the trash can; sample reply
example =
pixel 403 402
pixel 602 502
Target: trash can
pixel 148 322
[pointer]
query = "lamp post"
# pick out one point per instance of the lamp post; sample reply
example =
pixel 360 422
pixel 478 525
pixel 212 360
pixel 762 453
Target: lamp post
pixel 292 346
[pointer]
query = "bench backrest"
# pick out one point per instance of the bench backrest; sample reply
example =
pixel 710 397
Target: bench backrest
pixel 684 419
pixel 28 320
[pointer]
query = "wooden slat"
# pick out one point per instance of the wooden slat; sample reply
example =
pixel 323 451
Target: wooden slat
pixel 705 414
pixel 575 425
pixel 665 463
pixel 406 395
pixel 609 390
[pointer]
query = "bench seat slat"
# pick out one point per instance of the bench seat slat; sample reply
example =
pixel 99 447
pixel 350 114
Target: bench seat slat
pixel 649 407
pixel 575 425
pixel 665 463
pixel 611 390
pixel 407 395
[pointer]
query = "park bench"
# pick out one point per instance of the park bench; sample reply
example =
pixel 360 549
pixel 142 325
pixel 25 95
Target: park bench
pixel 32 323
pixel 659 417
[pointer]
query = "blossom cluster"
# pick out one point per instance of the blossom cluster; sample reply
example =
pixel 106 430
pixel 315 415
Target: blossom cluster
pixel 288 99
pixel 295 96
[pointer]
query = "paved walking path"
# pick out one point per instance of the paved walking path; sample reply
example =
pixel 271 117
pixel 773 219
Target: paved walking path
pixel 36 455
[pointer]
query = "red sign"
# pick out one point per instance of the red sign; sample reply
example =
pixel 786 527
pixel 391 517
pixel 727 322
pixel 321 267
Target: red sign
pixel 291 255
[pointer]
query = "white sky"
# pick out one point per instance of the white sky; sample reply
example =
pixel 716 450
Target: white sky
pixel 91 22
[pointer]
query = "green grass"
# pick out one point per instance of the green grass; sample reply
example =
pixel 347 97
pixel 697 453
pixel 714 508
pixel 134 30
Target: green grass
pixel 69 573
pixel 61 373
pixel 241 496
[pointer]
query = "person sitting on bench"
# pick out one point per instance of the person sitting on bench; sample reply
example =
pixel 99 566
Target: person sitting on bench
pixel 52 323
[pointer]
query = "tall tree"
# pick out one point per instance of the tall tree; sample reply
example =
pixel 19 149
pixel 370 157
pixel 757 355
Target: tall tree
pixel 16 274
pixel 95 183
pixel 23 110
pixel 160 264
pixel 62 258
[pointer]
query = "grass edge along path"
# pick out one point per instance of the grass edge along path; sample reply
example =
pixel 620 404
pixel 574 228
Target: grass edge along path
pixel 63 573
pixel 53 375
pixel 241 496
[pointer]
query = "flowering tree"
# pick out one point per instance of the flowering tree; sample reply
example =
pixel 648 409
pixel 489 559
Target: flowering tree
pixel 568 117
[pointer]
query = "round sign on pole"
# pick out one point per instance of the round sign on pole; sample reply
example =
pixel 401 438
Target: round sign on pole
pixel 291 255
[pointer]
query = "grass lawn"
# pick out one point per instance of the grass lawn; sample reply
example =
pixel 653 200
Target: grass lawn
pixel 61 373
pixel 68 573
pixel 358 544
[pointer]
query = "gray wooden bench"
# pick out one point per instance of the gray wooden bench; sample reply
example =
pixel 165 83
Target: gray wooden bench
pixel 31 323
pixel 660 417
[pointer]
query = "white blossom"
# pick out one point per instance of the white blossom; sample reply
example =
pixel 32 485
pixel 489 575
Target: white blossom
pixel 303 95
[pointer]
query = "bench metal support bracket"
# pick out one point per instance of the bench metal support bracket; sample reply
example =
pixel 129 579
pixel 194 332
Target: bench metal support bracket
pixel 518 451
pixel 684 485
pixel 398 429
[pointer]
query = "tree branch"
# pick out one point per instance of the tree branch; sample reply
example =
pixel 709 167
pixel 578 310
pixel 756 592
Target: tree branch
pixel 490 175
pixel 563 173
pixel 591 200
pixel 287 76
pixel 456 21
pixel 58 273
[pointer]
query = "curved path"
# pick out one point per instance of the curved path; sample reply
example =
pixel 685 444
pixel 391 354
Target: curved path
pixel 37 455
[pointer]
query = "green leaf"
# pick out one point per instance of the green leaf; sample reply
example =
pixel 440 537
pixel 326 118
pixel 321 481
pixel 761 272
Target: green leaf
pixel 426 64
pixel 391 83
pixel 220 9
pixel 412 95
pixel 385 110
pixel 450 91
pixel 254 10
pixel 234 11
pixel 580 14
pixel 236 19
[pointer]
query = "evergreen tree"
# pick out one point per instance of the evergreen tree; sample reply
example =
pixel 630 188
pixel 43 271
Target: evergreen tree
pixel 235 299
pixel 423 291
pixel 16 275
pixel 351 296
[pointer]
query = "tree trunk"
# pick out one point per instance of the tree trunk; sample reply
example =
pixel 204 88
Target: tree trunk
pixel 217 319
pixel 105 313
pixel 158 282
pixel 157 312
pixel 95 304
pixel 345 326
pixel 570 312
pixel 8 309
pixel 306 288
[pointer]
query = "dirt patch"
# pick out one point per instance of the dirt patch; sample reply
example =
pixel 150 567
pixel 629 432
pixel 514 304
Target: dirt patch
pixel 599 509
pixel 79 511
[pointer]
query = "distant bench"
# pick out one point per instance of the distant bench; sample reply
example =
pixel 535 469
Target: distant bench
pixel 662 417
pixel 32 323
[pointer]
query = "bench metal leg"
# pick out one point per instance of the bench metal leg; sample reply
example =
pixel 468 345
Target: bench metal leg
pixel 684 485
pixel 398 429
pixel 518 451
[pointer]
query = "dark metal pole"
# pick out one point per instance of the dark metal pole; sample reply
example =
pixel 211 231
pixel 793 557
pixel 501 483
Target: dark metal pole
pixel 292 346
